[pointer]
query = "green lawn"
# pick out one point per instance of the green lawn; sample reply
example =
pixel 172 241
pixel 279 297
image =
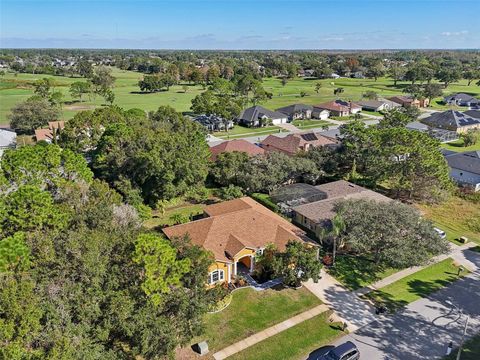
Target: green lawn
pixel 310 124
pixel 417 285
pixel 457 217
pixel 241 131
pixel 457 145
pixel 252 311
pixel 470 350
pixel 14 89
pixel 296 342
pixel 355 272
pixel 167 219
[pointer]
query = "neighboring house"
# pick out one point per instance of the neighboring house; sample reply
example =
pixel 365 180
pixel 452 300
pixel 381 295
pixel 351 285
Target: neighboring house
pixel 239 145
pixel 8 140
pixel 235 232
pixel 293 143
pixel 52 132
pixel 320 114
pixel 439 134
pixel 407 101
pixel 461 99
pixel 377 105
pixel 465 168
pixel 317 215
pixel 453 120
pixel 213 123
pixel 257 115
pixel 297 111
pixel 340 107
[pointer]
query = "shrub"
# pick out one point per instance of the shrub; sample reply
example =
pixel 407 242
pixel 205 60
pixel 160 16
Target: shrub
pixel 230 192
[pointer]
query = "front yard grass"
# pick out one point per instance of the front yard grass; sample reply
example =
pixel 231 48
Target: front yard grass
pixel 310 124
pixel 296 342
pixel 355 272
pixel 242 131
pixel 252 311
pixel 470 350
pixel 457 217
pixel 417 285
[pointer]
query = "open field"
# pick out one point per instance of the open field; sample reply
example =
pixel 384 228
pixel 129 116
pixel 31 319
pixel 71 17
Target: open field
pixel 417 285
pixel 17 88
pixel 296 342
pixel 252 311
pixel 457 217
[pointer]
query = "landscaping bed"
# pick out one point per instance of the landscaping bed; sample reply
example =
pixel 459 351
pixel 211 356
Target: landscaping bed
pixel 251 311
pixel 296 342
pixel 417 285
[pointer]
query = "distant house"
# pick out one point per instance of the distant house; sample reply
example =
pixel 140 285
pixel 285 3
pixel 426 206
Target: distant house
pixel 407 101
pixel 461 99
pixel 8 140
pixel 213 123
pixel 294 143
pixel 297 111
pixel 239 145
pixel 235 232
pixel 257 115
pixel 377 105
pixel 465 168
pixel 453 120
pixel 340 107
pixel 317 215
pixel 49 134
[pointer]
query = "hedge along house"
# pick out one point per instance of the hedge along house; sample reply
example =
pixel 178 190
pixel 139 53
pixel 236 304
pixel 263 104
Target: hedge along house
pixel 235 232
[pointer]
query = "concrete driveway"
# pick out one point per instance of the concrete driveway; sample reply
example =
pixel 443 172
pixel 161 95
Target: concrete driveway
pixel 425 327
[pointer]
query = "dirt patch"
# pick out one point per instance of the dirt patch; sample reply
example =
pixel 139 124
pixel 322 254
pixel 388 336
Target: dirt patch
pixel 79 107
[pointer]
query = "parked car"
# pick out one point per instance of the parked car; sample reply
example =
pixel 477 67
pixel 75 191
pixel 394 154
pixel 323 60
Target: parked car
pixel 441 233
pixel 346 351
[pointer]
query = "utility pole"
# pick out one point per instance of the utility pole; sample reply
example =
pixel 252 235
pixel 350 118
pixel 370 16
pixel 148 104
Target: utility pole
pixel 463 338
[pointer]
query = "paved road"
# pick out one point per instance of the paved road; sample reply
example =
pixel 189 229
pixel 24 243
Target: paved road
pixel 425 327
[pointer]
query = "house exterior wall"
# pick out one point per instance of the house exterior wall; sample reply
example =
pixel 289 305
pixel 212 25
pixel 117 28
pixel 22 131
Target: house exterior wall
pixel 218 265
pixel 466 178
pixel 279 121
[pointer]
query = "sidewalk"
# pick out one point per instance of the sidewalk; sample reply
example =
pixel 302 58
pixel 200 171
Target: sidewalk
pixel 271 331
pixel 456 253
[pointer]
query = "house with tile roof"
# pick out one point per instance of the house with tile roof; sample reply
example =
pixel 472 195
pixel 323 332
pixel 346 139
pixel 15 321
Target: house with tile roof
pixel 377 105
pixel 453 120
pixel 407 101
pixel 48 134
pixel 339 107
pixel 257 116
pixel 465 168
pixel 239 145
pixel 235 232
pixel 294 143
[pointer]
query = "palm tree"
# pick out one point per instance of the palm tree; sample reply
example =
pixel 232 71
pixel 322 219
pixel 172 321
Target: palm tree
pixel 336 229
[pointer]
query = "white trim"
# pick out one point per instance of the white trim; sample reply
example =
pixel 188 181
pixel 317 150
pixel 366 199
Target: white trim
pixel 220 274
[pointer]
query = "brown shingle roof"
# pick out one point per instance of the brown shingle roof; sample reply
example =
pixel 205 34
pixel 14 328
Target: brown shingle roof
pixel 237 224
pixel 59 125
pixel 338 105
pixel 336 191
pixel 236 145
pixel 293 143
pixel 43 134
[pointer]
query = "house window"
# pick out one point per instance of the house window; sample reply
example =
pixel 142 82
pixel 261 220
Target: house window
pixel 216 276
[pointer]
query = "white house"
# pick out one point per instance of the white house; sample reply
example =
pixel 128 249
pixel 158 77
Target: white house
pixel 8 140
pixel 465 168
pixel 257 115
pixel 321 114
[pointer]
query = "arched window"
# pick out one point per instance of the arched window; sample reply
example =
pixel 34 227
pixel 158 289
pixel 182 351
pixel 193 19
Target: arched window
pixel 216 276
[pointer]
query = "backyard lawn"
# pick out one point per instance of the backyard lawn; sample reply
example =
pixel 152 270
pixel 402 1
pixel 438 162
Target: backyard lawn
pixel 170 215
pixel 417 285
pixel 457 145
pixel 457 217
pixel 252 311
pixel 296 342
pixel 310 124
pixel 355 272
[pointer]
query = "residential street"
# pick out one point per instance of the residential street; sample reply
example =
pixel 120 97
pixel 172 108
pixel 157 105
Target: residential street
pixel 425 327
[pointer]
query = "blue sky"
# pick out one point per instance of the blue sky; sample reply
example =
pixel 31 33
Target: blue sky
pixel 245 24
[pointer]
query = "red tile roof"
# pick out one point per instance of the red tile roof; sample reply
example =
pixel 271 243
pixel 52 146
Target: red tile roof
pixel 43 134
pixel 338 105
pixel 236 145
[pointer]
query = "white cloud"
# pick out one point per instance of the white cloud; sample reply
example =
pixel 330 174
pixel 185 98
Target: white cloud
pixel 455 33
pixel 333 38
